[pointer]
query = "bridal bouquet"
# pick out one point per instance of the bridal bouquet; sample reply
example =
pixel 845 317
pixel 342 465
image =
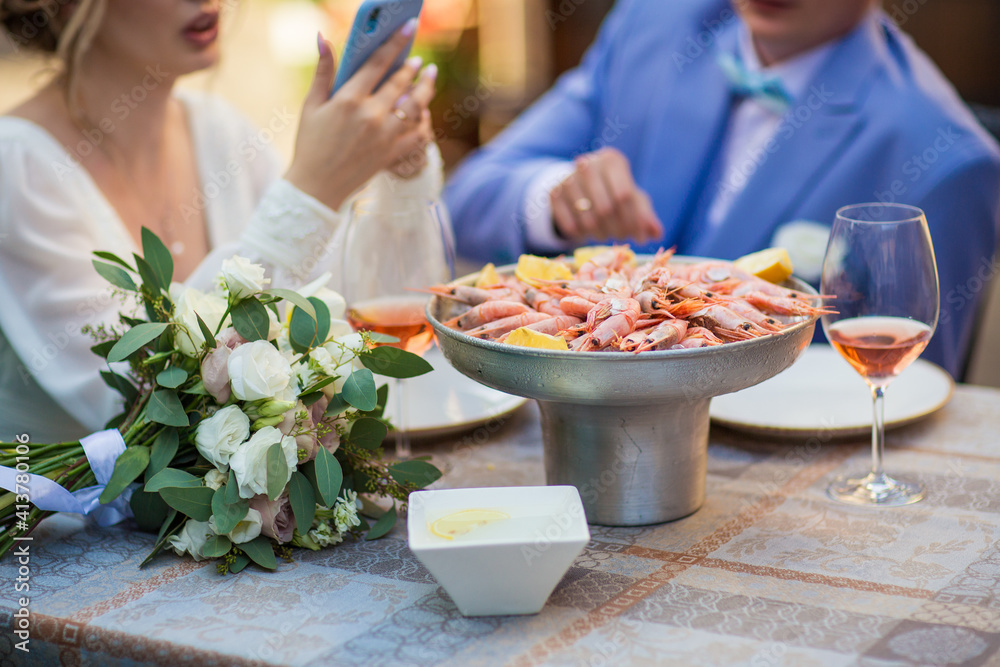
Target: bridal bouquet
pixel 252 422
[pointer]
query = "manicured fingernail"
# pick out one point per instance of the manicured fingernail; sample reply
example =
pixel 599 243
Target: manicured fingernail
pixel 402 100
pixel 409 28
pixel 431 71
pixel 415 62
pixel 321 44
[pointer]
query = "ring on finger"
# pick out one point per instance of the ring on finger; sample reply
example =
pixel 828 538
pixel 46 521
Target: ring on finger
pixel 583 204
pixel 400 114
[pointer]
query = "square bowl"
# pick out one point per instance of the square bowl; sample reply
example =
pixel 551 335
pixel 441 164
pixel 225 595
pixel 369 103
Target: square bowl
pixel 508 566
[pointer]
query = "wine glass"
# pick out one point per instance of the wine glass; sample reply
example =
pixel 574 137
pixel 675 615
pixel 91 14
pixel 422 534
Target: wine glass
pixel 393 249
pixel 880 269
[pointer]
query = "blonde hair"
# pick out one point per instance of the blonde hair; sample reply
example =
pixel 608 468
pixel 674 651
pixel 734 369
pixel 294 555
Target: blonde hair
pixel 73 41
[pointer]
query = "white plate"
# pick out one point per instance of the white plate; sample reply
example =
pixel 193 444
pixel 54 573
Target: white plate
pixel 445 401
pixel 820 394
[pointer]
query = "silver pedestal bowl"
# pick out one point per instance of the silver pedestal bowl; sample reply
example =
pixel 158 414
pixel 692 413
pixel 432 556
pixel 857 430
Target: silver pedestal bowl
pixel 630 431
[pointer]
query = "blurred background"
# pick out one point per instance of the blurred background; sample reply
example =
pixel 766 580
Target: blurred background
pixel 497 56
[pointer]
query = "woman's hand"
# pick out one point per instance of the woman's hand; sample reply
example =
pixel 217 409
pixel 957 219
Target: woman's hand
pixel 600 200
pixel 345 140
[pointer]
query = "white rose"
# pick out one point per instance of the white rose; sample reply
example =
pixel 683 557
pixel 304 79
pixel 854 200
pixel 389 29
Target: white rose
pixel 247 529
pixel 273 325
pixel 191 539
pixel 190 303
pixel 214 479
pixel 339 329
pixel 243 277
pixel 335 303
pixel 339 358
pixel 218 437
pixel 257 370
pixel 250 460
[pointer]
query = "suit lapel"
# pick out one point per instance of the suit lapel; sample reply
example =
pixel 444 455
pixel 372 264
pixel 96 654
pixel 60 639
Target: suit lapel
pixel 815 131
pixel 687 132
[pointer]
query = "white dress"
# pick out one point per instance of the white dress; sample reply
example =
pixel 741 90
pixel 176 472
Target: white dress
pixel 53 217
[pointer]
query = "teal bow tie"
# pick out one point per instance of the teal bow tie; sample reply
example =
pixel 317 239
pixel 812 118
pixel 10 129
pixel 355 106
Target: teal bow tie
pixel 766 89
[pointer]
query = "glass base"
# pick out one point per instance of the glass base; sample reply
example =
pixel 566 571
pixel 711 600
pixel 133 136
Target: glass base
pixel 872 489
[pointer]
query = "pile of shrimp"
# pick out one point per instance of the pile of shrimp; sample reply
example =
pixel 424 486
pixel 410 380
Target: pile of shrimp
pixel 615 305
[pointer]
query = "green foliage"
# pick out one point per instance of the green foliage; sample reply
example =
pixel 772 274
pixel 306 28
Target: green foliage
pixel 130 464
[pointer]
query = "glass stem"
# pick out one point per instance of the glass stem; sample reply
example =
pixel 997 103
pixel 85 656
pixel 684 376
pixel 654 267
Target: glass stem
pixel 402 423
pixel 878 429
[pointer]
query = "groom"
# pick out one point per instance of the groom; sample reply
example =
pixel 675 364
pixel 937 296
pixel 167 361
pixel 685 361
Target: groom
pixel 725 128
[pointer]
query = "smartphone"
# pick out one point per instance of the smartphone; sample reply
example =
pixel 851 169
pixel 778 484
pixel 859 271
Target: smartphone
pixel 375 22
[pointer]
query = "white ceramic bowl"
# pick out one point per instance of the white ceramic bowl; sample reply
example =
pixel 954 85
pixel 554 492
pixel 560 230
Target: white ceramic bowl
pixel 507 567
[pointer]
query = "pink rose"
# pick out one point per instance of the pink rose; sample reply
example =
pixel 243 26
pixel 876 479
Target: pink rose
pixel 330 440
pixel 276 515
pixel 215 369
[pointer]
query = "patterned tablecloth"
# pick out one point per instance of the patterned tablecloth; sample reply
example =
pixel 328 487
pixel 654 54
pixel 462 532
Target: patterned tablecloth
pixel 767 572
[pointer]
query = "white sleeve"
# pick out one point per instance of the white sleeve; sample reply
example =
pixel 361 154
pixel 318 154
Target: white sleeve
pixel 539 230
pixel 49 289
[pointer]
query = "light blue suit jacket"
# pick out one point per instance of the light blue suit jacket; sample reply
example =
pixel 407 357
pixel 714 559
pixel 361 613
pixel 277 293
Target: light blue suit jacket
pixel 878 122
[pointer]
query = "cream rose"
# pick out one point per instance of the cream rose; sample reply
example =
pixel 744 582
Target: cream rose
pixel 243 277
pixel 218 437
pixel 250 460
pixel 191 539
pixel 189 304
pixel 247 529
pixel 257 370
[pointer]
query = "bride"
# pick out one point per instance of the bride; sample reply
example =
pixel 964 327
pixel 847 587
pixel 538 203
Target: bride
pixel 109 146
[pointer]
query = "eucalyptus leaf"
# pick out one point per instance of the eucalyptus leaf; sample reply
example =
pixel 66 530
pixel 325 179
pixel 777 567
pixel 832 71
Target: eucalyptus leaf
pixel 195 502
pixel 216 546
pixel 379 337
pixel 295 299
pixel 121 385
pixel 162 453
pixel 277 471
pixel 383 400
pixel 359 390
pixel 329 476
pixel 165 407
pixel 111 257
pixel 206 333
pixel 303 501
pixel 102 349
pixel 250 319
pixel 306 332
pixel 394 362
pixel 232 489
pixel 170 527
pixel 171 378
pixel 227 515
pixel 116 276
pixel 414 473
pixel 383 525
pixel 130 464
pixel 336 406
pixel 367 433
pixel 158 257
pixel 259 550
pixel 241 561
pixel 172 478
pixel 149 276
pixel 316 386
pixel 149 510
pixel 134 339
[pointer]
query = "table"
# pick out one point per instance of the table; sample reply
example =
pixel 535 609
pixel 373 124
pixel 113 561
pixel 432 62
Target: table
pixel 767 572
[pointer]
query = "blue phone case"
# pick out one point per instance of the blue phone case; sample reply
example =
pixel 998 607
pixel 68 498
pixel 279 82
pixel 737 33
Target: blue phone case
pixel 375 22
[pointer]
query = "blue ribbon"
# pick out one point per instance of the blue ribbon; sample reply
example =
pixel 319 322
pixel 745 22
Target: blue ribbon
pixel 102 449
pixel 766 89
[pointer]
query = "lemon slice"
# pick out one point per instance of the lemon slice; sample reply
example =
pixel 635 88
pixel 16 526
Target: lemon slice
pixel 525 337
pixel 459 523
pixel 488 276
pixel 583 255
pixel 531 268
pixel 772 264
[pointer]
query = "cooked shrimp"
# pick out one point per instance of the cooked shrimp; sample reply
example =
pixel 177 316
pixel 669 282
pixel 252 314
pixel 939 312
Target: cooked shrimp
pixel 497 328
pixel 660 337
pixel 488 311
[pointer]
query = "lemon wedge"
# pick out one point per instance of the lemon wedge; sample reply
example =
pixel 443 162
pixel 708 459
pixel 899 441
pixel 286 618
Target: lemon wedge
pixel 583 255
pixel 488 276
pixel 771 264
pixel 459 523
pixel 525 337
pixel 531 268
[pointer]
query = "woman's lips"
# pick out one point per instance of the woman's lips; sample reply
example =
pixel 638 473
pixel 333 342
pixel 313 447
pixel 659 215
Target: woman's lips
pixel 203 29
